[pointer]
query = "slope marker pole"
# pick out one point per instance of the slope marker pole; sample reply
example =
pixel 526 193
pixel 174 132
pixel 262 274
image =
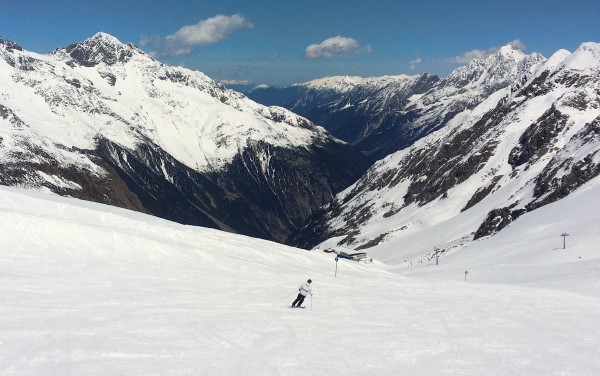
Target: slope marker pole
pixel 564 235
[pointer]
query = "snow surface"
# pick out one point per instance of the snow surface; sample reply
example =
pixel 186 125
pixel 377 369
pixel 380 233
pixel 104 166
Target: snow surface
pixel 344 84
pixel 529 252
pixel 586 58
pixel 89 289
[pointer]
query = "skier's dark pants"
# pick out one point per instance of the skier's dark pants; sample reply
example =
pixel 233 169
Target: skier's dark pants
pixel 299 300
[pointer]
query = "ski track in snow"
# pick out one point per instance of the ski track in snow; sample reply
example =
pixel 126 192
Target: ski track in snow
pixel 92 290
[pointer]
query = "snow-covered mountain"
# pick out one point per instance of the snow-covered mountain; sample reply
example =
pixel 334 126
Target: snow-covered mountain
pixel 381 115
pixel 523 144
pixel 104 121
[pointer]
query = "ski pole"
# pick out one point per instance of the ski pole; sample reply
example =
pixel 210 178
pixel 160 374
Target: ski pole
pixel 310 301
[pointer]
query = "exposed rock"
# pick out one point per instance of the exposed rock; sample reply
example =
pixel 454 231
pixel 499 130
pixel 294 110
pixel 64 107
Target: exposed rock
pixel 481 193
pixel 538 137
pixel 109 77
pixel 10 46
pixel 101 48
pixel 444 167
pixel 496 220
pixel 7 114
pixel 242 197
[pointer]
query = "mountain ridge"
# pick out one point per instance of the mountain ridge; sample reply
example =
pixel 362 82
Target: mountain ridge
pixel 526 145
pixel 87 113
pixel 381 115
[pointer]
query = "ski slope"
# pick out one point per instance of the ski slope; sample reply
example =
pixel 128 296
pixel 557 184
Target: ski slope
pixel 89 289
pixel 529 252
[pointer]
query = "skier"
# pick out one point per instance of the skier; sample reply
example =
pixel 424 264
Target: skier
pixel 304 289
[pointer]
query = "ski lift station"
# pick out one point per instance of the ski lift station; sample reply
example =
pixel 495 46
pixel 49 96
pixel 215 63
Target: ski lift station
pixel 346 253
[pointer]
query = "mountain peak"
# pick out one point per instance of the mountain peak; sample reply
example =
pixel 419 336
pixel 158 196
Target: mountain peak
pixel 507 52
pixel 585 58
pixel 499 67
pixel 590 46
pixel 9 45
pixel 100 48
pixel 105 37
pixel 506 49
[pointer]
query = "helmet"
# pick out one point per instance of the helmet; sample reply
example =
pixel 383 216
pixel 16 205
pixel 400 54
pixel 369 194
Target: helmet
pixel 309 281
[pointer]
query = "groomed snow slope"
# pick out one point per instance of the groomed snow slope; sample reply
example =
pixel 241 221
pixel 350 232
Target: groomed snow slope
pixel 89 289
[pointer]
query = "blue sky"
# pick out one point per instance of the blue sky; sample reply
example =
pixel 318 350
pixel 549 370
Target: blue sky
pixel 280 42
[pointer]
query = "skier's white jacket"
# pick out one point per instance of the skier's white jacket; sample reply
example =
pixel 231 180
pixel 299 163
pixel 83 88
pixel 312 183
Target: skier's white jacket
pixel 305 288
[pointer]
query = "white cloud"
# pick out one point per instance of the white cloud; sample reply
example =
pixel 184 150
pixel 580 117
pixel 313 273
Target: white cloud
pixel 145 40
pixel 467 57
pixel 517 44
pixel 335 46
pixel 413 63
pixel 207 31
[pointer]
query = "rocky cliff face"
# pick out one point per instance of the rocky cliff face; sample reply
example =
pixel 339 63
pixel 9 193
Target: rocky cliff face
pixel 527 139
pixel 101 120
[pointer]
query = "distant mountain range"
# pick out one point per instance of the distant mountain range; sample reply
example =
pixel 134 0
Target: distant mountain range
pixel 103 121
pixel 513 133
pixel 381 115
